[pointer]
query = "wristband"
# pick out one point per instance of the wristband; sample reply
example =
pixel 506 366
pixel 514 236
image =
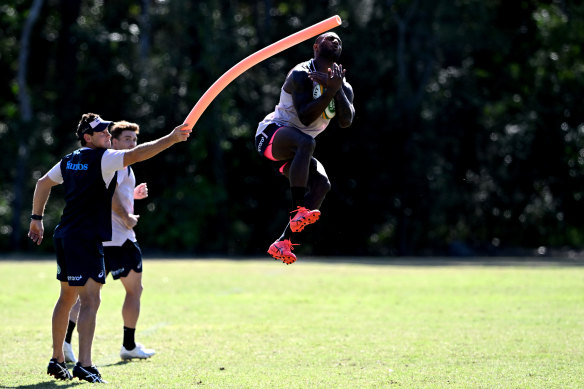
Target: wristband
pixel 36 217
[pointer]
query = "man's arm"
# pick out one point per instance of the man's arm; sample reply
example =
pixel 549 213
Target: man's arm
pixel 300 87
pixel 41 195
pixel 345 112
pixel 130 220
pixel 150 149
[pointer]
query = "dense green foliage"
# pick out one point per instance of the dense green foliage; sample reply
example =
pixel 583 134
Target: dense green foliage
pixel 468 135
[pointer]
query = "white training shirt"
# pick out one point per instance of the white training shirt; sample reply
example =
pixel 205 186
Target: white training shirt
pixel 125 191
pixel 285 115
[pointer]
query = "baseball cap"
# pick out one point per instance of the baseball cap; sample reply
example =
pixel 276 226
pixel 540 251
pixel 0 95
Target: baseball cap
pixel 96 125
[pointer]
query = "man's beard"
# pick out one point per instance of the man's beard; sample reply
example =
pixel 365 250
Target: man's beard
pixel 330 54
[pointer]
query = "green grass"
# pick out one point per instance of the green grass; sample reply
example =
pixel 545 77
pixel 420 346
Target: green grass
pixel 260 324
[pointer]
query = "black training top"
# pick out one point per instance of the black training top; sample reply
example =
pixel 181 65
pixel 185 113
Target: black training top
pixel 88 204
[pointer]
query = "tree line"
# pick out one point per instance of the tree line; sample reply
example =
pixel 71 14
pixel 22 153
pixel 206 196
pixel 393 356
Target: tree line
pixel 468 136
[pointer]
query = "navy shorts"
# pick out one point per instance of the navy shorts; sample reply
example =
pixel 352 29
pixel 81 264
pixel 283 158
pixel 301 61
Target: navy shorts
pixel 119 260
pixel 79 259
pixel 263 143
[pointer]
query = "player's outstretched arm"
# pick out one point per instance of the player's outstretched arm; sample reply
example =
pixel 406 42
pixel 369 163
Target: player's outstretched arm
pixel 150 149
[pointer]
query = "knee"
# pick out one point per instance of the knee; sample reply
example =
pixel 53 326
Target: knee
pixel 91 303
pixel 307 144
pixel 68 298
pixel 135 290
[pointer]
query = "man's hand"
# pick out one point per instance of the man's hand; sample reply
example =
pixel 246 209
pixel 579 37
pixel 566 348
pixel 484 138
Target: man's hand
pixel 130 220
pixel 332 80
pixel 36 231
pixel 141 191
pixel 181 133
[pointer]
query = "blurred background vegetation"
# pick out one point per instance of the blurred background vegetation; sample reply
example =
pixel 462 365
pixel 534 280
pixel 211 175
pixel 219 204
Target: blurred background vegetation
pixel 468 137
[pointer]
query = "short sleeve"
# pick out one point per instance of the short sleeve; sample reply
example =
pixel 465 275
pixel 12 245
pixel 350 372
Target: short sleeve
pixel 121 176
pixel 55 174
pixel 111 161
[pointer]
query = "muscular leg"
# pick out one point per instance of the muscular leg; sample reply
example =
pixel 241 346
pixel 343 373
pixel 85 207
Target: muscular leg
pixel 67 348
pixel 74 314
pixel 318 185
pixel 60 319
pixel 90 297
pixel 292 144
pixel 131 308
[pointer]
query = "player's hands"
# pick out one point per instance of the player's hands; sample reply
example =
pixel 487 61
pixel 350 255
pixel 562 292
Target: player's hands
pixel 141 191
pixel 332 79
pixel 36 231
pixel 181 133
pixel 130 220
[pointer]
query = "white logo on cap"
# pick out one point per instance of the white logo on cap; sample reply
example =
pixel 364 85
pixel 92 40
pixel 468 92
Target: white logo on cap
pixel 95 122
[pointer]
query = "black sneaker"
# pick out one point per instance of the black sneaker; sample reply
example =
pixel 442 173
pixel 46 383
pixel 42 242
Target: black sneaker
pixel 87 373
pixel 58 370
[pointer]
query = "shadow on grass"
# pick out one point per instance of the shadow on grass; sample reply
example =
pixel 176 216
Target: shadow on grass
pixel 118 363
pixel 48 384
pixel 53 383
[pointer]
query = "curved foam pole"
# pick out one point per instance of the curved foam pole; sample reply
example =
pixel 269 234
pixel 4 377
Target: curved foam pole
pixel 254 59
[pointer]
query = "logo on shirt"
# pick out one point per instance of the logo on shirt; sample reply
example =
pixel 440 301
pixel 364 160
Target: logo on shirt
pixel 329 111
pixel 76 166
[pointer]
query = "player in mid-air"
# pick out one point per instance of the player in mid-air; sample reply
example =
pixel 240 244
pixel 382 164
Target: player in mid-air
pixel 313 93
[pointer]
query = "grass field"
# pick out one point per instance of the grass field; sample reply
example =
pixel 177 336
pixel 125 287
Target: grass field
pixel 333 324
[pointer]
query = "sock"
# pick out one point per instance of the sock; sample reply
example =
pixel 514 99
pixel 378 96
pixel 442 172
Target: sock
pixel 287 233
pixel 70 329
pixel 298 193
pixel 129 343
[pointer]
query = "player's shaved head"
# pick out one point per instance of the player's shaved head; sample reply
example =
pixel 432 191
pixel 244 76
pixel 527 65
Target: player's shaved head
pixel 322 36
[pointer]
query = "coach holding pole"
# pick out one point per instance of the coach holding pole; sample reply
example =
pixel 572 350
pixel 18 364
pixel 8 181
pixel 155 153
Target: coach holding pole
pixel 89 176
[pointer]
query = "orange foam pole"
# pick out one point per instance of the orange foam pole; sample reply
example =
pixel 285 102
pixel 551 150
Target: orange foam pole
pixel 253 60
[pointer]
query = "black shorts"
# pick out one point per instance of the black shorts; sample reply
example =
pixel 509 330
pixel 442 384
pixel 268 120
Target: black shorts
pixel 119 260
pixel 79 259
pixel 264 140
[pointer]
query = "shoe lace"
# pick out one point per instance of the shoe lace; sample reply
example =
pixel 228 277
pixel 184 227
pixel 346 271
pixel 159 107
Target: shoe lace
pixel 289 245
pixel 299 209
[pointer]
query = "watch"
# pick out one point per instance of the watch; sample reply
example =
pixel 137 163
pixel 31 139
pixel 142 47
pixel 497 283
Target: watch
pixel 36 217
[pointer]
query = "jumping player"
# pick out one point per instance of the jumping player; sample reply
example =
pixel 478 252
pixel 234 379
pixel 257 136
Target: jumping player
pixel 313 93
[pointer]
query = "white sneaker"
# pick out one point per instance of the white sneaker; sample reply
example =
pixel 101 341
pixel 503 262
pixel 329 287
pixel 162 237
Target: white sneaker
pixel 69 354
pixel 137 352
